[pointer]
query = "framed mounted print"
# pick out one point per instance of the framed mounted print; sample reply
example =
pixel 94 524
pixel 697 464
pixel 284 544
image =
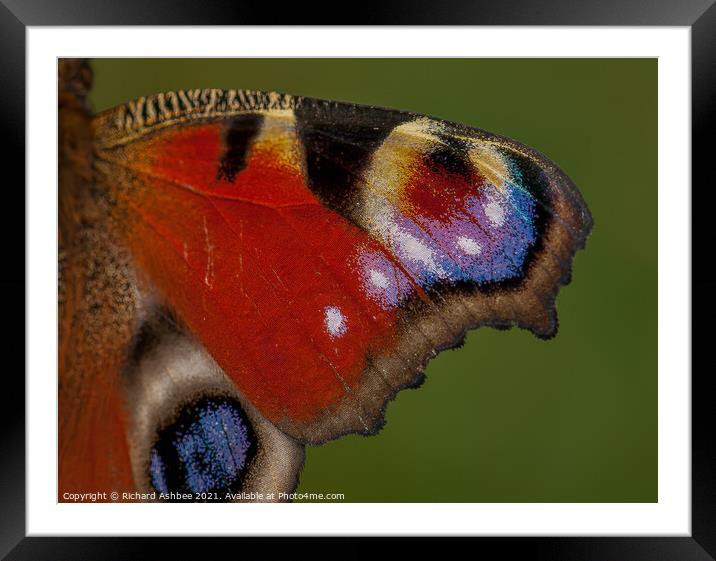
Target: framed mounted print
pixel 437 285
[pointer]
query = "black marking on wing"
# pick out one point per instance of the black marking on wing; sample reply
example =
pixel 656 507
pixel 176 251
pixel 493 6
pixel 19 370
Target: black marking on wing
pixel 239 133
pixel 339 139
pixel 535 181
pixel 450 157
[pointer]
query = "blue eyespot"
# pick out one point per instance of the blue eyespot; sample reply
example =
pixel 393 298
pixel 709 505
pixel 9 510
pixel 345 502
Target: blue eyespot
pixel 207 449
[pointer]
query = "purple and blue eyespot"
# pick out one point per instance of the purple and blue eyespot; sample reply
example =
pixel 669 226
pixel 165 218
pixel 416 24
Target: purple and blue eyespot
pixel 207 449
pixel 486 239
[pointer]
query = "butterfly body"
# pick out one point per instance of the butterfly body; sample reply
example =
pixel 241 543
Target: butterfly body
pixel 321 252
pixel 98 311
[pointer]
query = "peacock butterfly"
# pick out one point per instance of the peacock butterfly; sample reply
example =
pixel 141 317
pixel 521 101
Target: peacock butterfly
pixel 243 273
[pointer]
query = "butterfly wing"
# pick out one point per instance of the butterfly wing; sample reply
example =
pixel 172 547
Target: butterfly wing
pixel 323 252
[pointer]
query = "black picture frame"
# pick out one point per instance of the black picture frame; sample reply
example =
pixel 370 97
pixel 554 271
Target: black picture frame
pixel 699 15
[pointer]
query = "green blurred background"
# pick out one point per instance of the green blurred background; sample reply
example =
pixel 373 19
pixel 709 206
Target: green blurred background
pixel 508 417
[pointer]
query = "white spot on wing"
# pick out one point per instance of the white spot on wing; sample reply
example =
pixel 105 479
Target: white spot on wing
pixel 406 243
pixel 469 246
pixel 495 213
pixel 417 250
pixel 379 279
pixel 336 323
